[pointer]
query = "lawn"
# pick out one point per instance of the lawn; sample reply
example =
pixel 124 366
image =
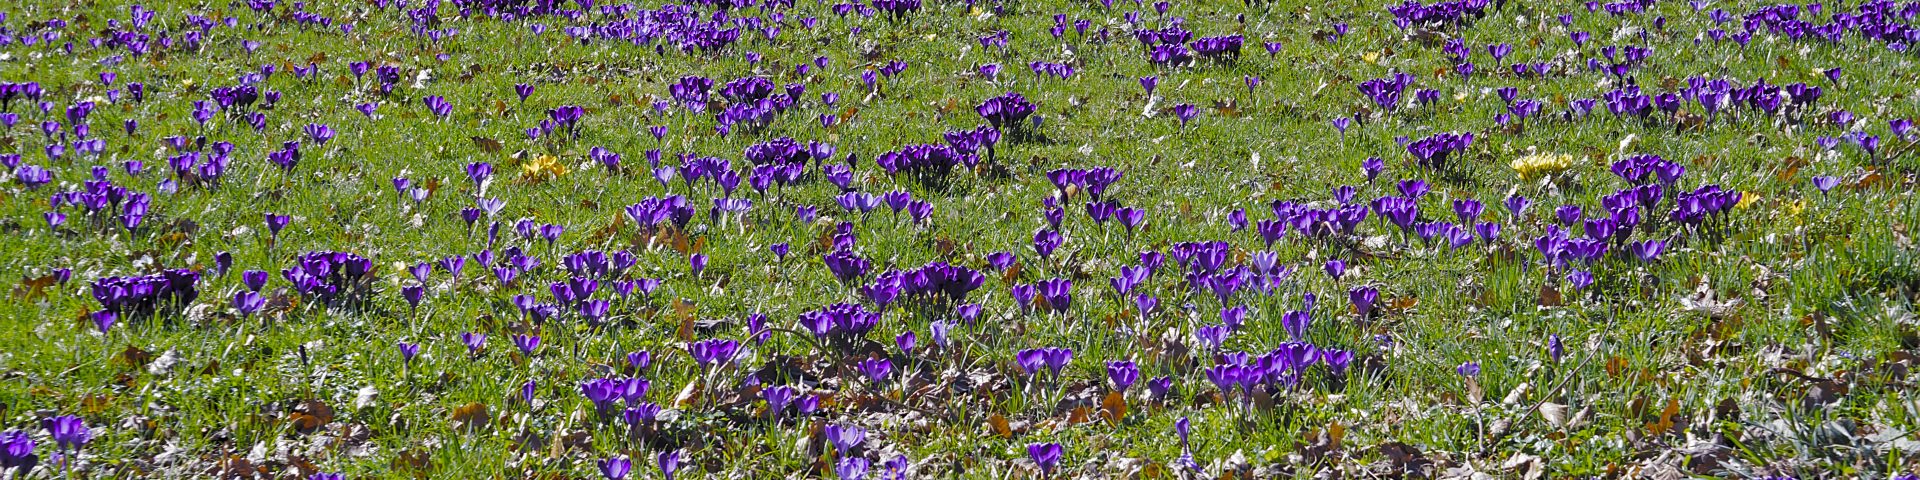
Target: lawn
pixel 985 239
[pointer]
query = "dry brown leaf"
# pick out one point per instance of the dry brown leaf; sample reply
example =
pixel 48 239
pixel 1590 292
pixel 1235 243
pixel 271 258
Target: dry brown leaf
pixel 471 417
pixel 687 395
pixel 487 145
pixel 33 288
pixel 1616 366
pixel 683 311
pixel 997 425
pixel 1665 423
pixel 135 356
pixel 1079 415
pixel 1550 297
pixel 1114 408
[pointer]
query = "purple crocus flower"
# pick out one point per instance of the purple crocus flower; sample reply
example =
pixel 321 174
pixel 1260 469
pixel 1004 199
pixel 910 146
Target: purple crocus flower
pixel 1224 377
pixel 1056 358
pixel 1336 268
pixel 1362 299
pixel 1869 143
pixel 1336 360
pixel 69 432
pixel 712 352
pixel 1469 369
pixel 1046 456
pixel 1031 360
pixel 1517 205
pixel 474 342
pixel 1372 167
pixel 1488 231
pixel 1211 336
pixel 1058 293
pixel 615 468
pixel 1580 279
pixel 602 392
pixel 408 351
pixel 937 332
pixel 1825 183
pixel 845 437
pixel 1567 214
pixel 1185 112
pixel 852 468
pixel 319 133
pixel 967 312
pixel 103 320
pixel 277 222
pixel 1902 128
pixel 438 105
pixel 1647 251
pixel 253 279
pixel 1159 387
pixel 778 398
pixel 413 294
pixel 905 341
pixel 670 462
pixel 1413 188
pixel 1045 241
pixel 990 71
pixel 1233 316
pixel 877 370
pixel 1123 374
pixel 1468 210
pixel 248 302
pixel 526 343
pixel 639 359
pixel 1296 324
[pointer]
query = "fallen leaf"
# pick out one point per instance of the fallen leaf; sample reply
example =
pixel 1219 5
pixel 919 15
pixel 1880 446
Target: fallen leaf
pixel 310 416
pixel 1616 366
pixel 1530 467
pixel 1555 414
pixel 1665 423
pixel 1114 408
pixel 1550 297
pixel 688 395
pixel 135 356
pixel 997 425
pixel 683 312
pixel 487 145
pixel 1518 393
pixel 472 417
pixel 33 288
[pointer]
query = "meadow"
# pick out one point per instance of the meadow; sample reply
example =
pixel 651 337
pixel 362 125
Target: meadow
pixel 958 239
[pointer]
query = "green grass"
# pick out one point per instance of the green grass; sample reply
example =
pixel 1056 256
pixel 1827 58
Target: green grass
pixel 1826 283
